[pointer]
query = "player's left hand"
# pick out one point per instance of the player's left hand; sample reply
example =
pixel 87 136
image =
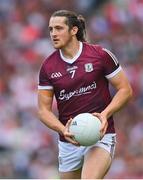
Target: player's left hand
pixel 104 122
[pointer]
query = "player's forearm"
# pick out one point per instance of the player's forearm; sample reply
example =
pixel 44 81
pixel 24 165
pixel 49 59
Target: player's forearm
pixel 51 121
pixel 119 100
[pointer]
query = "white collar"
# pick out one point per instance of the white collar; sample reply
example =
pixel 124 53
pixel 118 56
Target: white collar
pixel 70 61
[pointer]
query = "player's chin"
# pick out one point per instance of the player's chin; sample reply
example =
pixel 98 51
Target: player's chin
pixel 57 46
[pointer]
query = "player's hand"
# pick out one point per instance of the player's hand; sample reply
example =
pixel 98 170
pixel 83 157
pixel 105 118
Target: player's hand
pixel 104 122
pixel 69 136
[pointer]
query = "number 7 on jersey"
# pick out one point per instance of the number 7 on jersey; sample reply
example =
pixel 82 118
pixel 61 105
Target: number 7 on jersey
pixel 72 72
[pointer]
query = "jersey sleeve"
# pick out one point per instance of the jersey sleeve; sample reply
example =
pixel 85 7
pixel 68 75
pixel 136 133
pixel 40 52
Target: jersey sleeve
pixel 111 65
pixel 44 82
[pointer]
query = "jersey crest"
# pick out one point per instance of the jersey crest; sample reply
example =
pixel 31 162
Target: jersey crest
pixel 88 67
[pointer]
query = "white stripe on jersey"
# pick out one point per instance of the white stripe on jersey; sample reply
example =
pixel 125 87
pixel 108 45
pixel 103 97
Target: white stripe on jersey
pixel 45 87
pixel 112 56
pixel 114 73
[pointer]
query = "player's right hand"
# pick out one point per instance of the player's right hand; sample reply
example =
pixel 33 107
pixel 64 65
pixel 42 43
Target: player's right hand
pixel 69 136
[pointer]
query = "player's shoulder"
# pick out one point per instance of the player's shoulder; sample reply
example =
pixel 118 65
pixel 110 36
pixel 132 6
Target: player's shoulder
pixel 101 53
pixel 52 56
pixel 49 62
pixel 94 48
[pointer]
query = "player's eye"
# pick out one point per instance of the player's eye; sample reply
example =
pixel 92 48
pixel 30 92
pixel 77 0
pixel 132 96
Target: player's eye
pixel 50 29
pixel 59 28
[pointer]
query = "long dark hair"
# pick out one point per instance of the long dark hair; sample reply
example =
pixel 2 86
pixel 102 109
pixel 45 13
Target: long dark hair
pixel 72 19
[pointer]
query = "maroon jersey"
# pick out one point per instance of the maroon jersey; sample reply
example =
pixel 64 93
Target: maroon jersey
pixel 80 84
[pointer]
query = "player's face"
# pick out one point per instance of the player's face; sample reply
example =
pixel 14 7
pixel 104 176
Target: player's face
pixel 59 32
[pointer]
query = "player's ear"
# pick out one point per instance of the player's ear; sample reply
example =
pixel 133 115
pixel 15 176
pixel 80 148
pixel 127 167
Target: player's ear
pixel 74 30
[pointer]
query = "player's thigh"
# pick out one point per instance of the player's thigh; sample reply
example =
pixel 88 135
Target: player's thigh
pixel 71 175
pixel 96 164
pixel 98 157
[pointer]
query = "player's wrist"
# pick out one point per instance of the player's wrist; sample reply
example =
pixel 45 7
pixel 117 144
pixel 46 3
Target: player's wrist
pixel 62 130
pixel 106 114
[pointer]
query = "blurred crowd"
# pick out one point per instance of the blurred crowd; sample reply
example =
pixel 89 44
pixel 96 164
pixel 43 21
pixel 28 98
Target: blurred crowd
pixel 28 149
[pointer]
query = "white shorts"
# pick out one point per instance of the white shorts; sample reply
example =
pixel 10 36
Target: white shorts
pixel 71 157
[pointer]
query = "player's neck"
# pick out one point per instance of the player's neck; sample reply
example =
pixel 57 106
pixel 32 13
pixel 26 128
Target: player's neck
pixel 71 49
